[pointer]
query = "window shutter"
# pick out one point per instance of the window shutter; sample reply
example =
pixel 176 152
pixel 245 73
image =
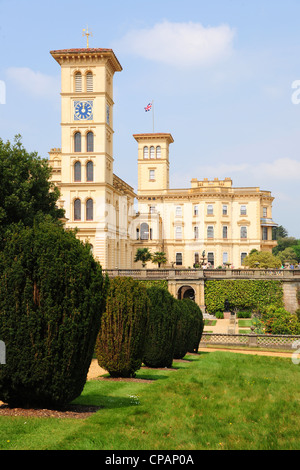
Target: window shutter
pixel 89 82
pixel 78 82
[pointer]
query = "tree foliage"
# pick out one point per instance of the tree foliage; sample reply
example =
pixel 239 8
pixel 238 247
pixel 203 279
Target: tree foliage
pixel 52 295
pixel 25 187
pixel 163 317
pixel 121 340
pixel 143 255
pixel 262 259
pixel 159 257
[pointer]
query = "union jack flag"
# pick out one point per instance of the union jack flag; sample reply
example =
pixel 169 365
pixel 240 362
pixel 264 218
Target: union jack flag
pixel 148 107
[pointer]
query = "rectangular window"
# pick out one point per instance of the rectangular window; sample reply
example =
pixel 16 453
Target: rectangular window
pixel 210 259
pixel 225 231
pixel 265 212
pixel 196 257
pixel 210 231
pixel 210 209
pixel 196 210
pixel 265 233
pixel 178 259
pixel 152 209
pixel 178 211
pixel 243 210
pixel 225 257
pixel 243 232
pixel 196 233
pixel 152 175
pixel 178 232
pixel 224 210
pixel 243 256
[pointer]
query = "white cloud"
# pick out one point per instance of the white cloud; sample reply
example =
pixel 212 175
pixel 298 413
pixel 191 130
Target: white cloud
pixel 180 44
pixel 35 83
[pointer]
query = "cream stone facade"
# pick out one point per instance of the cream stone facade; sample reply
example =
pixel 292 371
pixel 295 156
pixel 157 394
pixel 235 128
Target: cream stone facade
pixel 211 221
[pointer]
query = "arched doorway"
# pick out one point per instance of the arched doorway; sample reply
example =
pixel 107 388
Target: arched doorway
pixel 186 292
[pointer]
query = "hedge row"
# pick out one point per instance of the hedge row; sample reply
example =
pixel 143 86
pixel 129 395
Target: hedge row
pixel 242 294
pixel 152 327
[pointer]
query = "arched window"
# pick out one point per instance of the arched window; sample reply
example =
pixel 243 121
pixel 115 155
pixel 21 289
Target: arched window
pixel 144 235
pixel 90 171
pixel 90 142
pixel 77 142
pixel 243 232
pixel 146 152
pixel 77 171
pixel 152 152
pixel 89 209
pixel 78 82
pixel 89 82
pixel 77 209
pixel 158 151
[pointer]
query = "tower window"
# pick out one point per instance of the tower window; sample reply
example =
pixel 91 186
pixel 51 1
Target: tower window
pixel 90 171
pixel 146 152
pixel 77 209
pixel 90 142
pixel 152 152
pixel 89 82
pixel 77 142
pixel 89 209
pixel 152 175
pixel 78 82
pixel 158 151
pixel 77 171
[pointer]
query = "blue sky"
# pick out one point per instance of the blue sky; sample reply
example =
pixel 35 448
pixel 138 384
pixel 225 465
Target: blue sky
pixel 220 74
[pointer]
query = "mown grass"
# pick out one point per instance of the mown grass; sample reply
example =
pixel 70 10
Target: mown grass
pixel 217 400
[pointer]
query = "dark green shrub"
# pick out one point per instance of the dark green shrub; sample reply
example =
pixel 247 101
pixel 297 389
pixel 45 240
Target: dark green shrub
pixel 278 321
pixel 189 328
pixel 163 317
pixel 184 327
pixel 52 295
pixel 197 326
pixel 243 314
pixel 121 340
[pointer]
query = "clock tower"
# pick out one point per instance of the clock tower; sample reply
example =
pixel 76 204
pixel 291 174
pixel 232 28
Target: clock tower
pixel 83 167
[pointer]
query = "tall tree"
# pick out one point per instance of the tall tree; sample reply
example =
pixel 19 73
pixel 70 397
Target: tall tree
pixel 25 187
pixel 159 257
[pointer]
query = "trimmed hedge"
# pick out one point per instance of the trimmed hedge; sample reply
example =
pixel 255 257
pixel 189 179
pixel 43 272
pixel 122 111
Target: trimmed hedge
pixel 189 329
pixel 52 295
pixel 121 339
pixel 242 294
pixel 163 317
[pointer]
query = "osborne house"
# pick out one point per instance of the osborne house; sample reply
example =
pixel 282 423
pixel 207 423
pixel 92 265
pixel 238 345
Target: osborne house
pixel 211 221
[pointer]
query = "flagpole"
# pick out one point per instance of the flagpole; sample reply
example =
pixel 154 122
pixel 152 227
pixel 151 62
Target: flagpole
pixel 153 114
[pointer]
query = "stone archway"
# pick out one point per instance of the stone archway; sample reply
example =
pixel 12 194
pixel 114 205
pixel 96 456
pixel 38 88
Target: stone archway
pixel 186 292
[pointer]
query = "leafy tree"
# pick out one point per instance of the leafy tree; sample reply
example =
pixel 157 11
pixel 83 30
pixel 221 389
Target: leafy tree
pixel 52 295
pixel 25 187
pixel 296 249
pixel 288 255
pixel 283 243
pixel 162 326
pixel 121 339
pixel 143 255
pixel 159 257
pixel 262 259
pixel 279 232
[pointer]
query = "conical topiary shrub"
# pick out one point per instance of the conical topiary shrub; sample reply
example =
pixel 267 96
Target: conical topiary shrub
pixel 52 295
pixel 121 339
pixel 163 317
pixel 184 327
pixel 197 326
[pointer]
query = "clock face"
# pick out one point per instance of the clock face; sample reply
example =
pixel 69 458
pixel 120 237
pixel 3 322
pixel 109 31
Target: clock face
pixel 83 110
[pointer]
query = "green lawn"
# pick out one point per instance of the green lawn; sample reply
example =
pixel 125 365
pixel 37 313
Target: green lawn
pixel 244 322
pixel 218 400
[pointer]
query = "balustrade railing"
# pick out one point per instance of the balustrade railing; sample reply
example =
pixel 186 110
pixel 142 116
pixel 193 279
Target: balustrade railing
pixel 287 342
pixel 205 273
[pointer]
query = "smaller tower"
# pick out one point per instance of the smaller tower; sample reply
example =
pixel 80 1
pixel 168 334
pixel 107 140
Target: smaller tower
pixel 153 161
